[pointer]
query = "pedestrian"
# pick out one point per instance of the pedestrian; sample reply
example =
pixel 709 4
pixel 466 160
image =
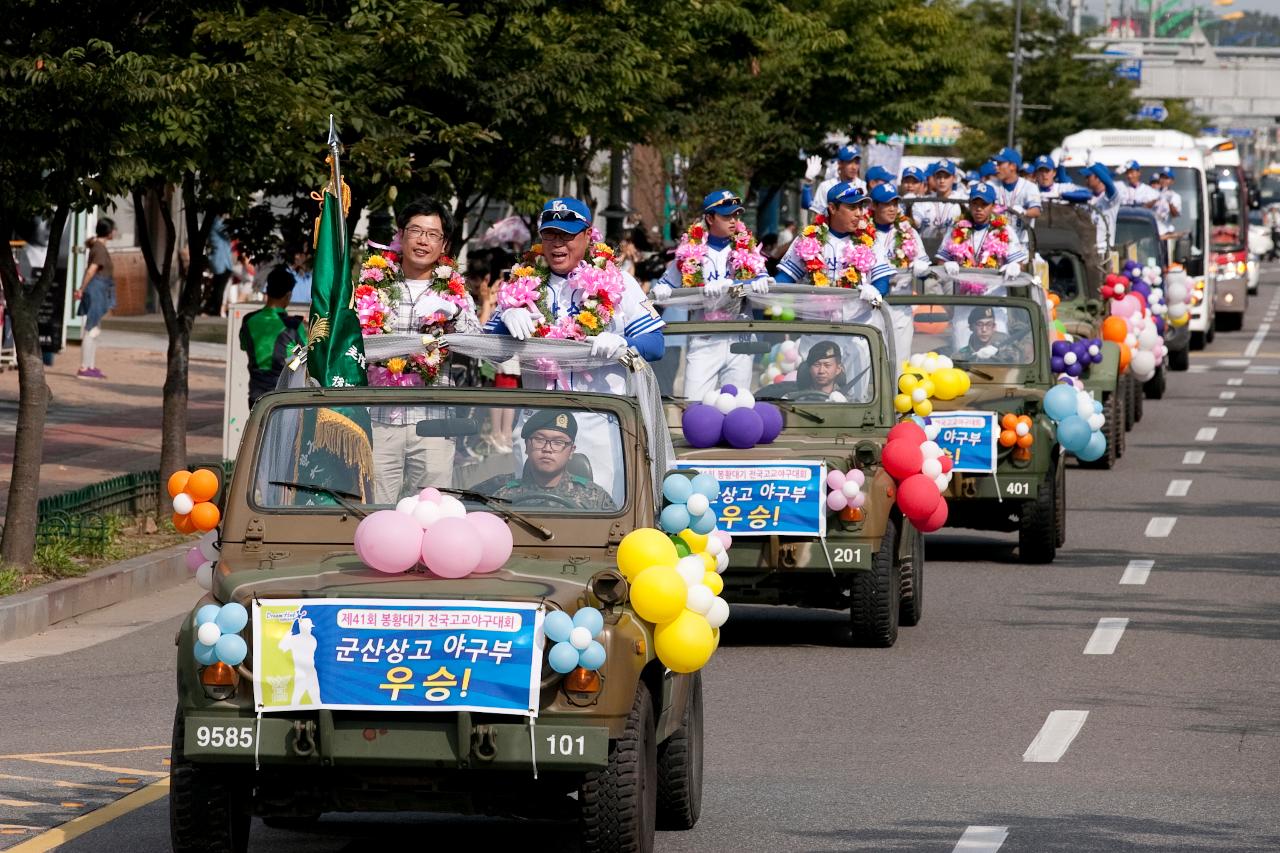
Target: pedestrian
pixel 300 265
pixel 270 335
pixel 897 247
pixel 848 165
pixel 1133 191
pixel 1014 192
pixel 240 288
pixel 97 295
pixel 935 218
pixel 220 264
pixel 784 236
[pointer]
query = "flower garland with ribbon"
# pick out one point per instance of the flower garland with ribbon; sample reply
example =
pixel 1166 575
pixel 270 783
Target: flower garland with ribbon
pixel 597 279
pixel 856 258
pixel 904 244
pixel 995 246
pixel 746 261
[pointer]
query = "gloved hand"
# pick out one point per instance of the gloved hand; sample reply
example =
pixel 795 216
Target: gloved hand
pixel 1011 271
pixel 714 289
pixel 607 344
pixel 986 352
pixel 869 293
pixel 660 291
pixel 761 285
pixel 812 167
pixel 920 266
pixel 952 268
pixel 432 304
pixel 1018 209
pixel 521 322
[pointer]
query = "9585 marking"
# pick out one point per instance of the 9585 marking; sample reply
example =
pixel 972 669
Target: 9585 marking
pixel 224 737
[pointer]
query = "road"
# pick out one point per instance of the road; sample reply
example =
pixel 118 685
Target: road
pixel 1125 698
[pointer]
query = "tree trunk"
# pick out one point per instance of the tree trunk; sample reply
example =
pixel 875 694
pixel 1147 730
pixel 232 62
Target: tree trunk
pixel 18 544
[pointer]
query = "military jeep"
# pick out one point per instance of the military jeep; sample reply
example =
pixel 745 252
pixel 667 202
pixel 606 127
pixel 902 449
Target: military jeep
pixel 618 749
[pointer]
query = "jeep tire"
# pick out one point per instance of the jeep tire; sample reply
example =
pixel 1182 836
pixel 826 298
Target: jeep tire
pixel 208 808
pixel 618 805
pixel 874 595
pixel 911 604
pixel 680 766
pixel 1038 524
pixel 1179 360
pixel 1155 386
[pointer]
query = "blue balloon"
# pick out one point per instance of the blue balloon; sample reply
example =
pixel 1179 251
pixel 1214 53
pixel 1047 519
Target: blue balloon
pixel 231 649
pixel 563 658
pixel 1060 403
pixel 704 523
pixel 677 488
pixel 206 655
pixel 232 618
pixel 589 618
pixel 674 518
pixel 557 626
pixel 1097 407
pixel 707 485
pixel 208 613
pixel 1094 449
pixel 592 657
pixel 1073 434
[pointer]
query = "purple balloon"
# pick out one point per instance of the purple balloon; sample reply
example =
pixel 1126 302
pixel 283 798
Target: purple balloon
pixel 1160 325
pixel 1142 287
pixel 1060 347
pixel 702 425
pixel 731 390
pixel 1075 369
pixel 1056 364
pixel 836 501
pixel 771 417
pixel 194 559
pixel 743 428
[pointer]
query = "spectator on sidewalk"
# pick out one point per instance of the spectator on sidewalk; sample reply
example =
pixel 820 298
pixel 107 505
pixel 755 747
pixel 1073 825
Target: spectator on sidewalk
pixel 301 267
pixel 270 334
pixel 220 263
pixel 97 295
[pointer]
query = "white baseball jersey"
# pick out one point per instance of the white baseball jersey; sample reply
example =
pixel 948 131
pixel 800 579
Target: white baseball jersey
pixel 1141 194
pixel 819 203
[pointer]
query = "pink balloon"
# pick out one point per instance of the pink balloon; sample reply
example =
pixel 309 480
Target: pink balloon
pixel 858 500
pixel 194 559
pixel 836 501
pixel 725 539
pixel 430 493
pixel 389 541
pixel 495 539
pixel 1125 307
pixel 451 549
pixel 856 475
pixel 835 479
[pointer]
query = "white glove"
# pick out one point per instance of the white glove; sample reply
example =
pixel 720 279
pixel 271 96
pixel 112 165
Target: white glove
pixel 869 293
pixel 660 291
pixel 432 304
pixel 986 352
pixel 760 286
pixel 812 167
pixel 920 266
pixel 713 290
pixel 607 344
pixel 1011 271
pixel 521 322
pixel 1018 209
pixel 952 268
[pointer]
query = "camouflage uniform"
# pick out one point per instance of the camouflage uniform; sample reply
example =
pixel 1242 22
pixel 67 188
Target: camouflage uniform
pixel 1006 351
pixel 580 492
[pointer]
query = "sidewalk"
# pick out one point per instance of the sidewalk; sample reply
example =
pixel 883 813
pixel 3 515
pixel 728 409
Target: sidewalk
pixel 98 429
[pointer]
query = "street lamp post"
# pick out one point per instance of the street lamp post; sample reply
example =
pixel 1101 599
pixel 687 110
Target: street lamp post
pixel 1014 96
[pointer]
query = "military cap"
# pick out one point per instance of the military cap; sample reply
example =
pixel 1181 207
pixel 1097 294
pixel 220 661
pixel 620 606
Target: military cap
pixel 551 419
pixel 979 314
pixel 821 350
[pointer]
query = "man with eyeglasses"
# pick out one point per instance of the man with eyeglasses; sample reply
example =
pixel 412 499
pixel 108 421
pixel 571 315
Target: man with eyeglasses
pixel 549 437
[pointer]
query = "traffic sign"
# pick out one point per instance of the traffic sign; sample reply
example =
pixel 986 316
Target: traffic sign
pixel 1153 112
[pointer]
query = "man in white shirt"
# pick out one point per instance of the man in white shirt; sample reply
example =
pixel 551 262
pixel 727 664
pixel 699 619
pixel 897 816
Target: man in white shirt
pixel 1104 204
pixel 937 217
pixel 1014 192
pixel 1133 191
pixel 1169 207
pixel 848 165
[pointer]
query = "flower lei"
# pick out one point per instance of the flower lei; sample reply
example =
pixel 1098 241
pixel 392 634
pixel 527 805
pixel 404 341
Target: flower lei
pixel 746 261
pixel 995 246
pixel 598 279
pixel 856 259
pixel 904 246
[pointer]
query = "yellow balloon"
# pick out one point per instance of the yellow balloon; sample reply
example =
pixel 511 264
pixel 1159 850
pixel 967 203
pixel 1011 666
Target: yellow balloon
pixel 924 408
pixel 708 562
pixel 685 644
pixel 902 404
pixel 713 582
pixel 907 383
pixel 642 548
pixel 697 542
pixel 965 382
pixel 658 594
pixel 715 633
pixel 946 383
pixel 927 385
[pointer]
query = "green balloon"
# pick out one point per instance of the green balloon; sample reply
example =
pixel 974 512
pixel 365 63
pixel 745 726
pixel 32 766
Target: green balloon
pixel 682 549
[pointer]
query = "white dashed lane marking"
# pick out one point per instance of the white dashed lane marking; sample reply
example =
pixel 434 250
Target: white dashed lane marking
pixel 1137 571
pixel 981 839
pixel 1218 412
pixel 1177 489
pixel 1057 733
pixel 1236 382
pixel 1207 434
pixel 1226 395
pixel 1161 526
pixel 1193 457
pixel 1106 636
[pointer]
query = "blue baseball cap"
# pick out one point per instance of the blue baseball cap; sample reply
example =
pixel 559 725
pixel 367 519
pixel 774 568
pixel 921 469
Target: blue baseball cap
pixel 723 202
pixel 985 192
pixel 564 214
pixel 846 193
pixel 1098 170
pixel 884 193
pixel 1132 164
pixel 1044 161
pixel 879 173
pixel 912 172
pixel 1008 155
pixel 848 153
pixel 987 169
pixel 944 165
pixel 1166 172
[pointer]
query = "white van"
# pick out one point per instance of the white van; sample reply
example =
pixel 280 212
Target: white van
pixel 1159 149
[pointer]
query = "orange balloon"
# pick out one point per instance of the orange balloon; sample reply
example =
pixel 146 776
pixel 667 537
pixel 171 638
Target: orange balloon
pixel 1009 420
pixel 205 516
pixel 202 486
pixel 182 523
pixel 1114 329
pixel 1125 355
pixel 1054 298
pixel 178 482
pixel 1026 440
pixel 1008 438
pixel 1025 419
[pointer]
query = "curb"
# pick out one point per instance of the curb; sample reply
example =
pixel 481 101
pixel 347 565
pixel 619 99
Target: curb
pixel 36 610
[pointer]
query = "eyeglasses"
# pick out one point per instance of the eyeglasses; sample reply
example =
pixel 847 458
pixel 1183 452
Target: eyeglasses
pixel 555 444
pixel 413 232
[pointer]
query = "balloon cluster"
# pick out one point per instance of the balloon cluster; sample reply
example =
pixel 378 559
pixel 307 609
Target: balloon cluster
pixel 192 493
pixel 436 530
pixel 1134 327
pixel 731 416
pixel 1079 420
pixel 1073 358
pixel 784 361
pixel 203 557
pixel 845 491
pixel 1175 294
pixel 679 595
pixel 575 639
pixel 218 637
pixel 925 376
pixel 690 503
pixel 922 471
pixel 780 312
pixel 1016 430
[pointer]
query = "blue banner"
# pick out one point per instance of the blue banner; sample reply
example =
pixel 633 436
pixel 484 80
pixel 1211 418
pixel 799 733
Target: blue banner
pixel 768 498
pixel 969 438
pixel 397 655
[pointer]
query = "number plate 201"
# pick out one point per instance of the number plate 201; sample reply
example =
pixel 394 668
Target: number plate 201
pixel 850 556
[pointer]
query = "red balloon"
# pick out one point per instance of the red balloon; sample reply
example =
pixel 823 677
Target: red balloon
pixel 909 430
pixel 918 497
pixel 935 521
pixel 945 461
pixel 902 458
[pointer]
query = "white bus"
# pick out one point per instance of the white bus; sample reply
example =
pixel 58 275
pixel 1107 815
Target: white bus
pixel 1229 234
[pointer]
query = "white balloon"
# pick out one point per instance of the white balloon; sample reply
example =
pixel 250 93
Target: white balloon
pixel 183 503
pixel 718 613
pixel 725 404
pixel 771 373
pixel 722 561
pixel 850 489
pixel 700 598
pixel 697 504
pixel 930 450
pixel 451 507
pixel 1097 421
pixel 917 360
pixel 208 545
pixel 931 431
pixel 580 637
pixel 714 546
pixel 789 347
pixel 919 395
pixel 1084 404
pixel 1069 358
pixel 945 363
pixel 208 633
pixel 425 513
pixel 745 399
pixel 1022 428
pixel 710 398
pixel 931 468
pixel 942 481
pixel 204 576
pixel 691 569
pixel 1143 365
pixel 931 364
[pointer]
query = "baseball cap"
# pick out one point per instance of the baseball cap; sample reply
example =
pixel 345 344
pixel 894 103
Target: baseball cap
pixel 885 192
pixel 723 202
pixel 1044 161
pixel 1166 172
pixel 912 172
pixel 849 152
pixel 985 192
pixel 564 214
pixel 943 165
pixel 1132 164
pixel 1008 155
pixel 879 173
pixel 987 169
pixel 845 193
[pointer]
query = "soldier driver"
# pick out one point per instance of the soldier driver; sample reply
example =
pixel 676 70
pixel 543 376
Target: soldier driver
pixel 548 443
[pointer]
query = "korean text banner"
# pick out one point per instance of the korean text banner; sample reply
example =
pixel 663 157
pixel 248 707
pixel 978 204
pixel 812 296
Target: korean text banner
pixel 774 497
pixel 969 438
pixel 397 655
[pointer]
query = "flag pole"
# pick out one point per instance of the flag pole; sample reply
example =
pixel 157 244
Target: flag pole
pixel 335 147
